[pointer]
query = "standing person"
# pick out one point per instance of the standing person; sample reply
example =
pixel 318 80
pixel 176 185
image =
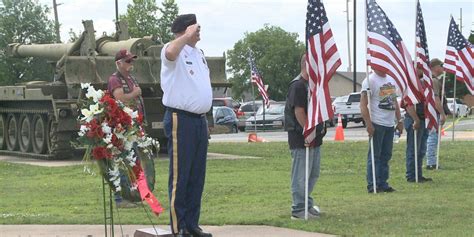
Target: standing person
pixel 187 94
pixel 296 109
pixel 124 87
pixel 384 111
pixel 432 144
pixel 415 121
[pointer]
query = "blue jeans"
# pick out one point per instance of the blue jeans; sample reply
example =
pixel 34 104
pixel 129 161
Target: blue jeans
pixel 432 148
pixel 298 176
pixel 383 144
pixel 422 136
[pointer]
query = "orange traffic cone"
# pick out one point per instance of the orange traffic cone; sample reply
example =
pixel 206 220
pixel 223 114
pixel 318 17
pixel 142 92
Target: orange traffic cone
pixel 253 138
pixel 339 136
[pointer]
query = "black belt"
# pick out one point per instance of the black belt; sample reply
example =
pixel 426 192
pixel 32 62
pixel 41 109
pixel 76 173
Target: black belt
pixel 186 113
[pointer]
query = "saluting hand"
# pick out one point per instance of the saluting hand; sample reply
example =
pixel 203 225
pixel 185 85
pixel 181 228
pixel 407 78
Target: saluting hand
pixel 192 32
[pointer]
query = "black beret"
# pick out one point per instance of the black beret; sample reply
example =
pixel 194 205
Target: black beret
pixel 182 22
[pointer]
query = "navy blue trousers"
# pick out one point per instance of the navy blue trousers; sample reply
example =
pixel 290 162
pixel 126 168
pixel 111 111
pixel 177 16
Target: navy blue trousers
pixel 187 149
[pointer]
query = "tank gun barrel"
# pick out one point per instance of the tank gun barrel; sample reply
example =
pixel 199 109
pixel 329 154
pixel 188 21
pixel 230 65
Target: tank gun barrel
pixel 47 51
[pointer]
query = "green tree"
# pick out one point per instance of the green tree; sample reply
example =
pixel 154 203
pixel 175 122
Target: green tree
pixel 24 22
pixel 277 54
pixel 169 12
pixel 143 18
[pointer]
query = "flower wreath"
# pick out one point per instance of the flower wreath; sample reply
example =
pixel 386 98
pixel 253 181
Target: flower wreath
pixel 113 134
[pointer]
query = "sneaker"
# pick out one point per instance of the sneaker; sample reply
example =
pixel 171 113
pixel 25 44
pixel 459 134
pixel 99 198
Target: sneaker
pixel 432 167
pixel 125 204
pixel 300 216
pixel 314 210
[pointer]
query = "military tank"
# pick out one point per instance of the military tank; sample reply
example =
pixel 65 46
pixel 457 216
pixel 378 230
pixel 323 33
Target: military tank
pixel 39 118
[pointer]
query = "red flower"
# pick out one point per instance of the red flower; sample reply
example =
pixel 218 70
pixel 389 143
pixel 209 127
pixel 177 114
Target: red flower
pixel 95 129
pixel 117 142
pixel 140 118
pixel 100 153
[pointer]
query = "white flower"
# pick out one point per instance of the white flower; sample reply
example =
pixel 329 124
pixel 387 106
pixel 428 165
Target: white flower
pixel 83 130
pixel 89 113
pixel 128 110
pixel 93 94
pixel 85 85
pixel 128 145
pixel 106 129
pixel 108 139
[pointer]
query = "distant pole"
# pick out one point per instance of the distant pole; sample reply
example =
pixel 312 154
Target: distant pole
pixel 56 22
pixel 354 81
pixel 348 37
pixel 116 14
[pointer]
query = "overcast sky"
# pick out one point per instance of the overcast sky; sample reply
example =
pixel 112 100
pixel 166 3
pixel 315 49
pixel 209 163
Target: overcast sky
pixel 224 22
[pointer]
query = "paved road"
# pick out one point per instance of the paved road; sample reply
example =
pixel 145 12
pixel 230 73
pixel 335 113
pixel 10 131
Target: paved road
pixel 464 130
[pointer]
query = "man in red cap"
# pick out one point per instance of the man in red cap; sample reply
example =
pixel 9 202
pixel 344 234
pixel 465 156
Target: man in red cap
pixel 187 95
pixel 124 87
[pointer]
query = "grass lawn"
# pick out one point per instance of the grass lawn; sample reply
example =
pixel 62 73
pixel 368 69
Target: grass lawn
pixel 256 192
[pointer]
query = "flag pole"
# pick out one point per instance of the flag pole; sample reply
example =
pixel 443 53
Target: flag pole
pixel 306 185
pixel 371 140
pixel 439 124
pixel 254 112
pixel 415 134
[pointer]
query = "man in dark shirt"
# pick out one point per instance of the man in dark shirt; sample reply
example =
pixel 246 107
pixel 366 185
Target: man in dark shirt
pixel 415 121
pixel 295 118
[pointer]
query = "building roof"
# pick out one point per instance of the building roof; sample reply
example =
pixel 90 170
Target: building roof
pixel 360 76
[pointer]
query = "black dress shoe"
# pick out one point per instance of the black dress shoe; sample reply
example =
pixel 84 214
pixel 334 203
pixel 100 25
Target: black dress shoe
pixel 182 233
pixel 197 232
pixel 424 179
pixel 388 189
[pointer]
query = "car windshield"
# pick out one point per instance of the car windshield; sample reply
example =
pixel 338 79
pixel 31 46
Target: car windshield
pixel 450 100
pixel 273 109
pixel 354 98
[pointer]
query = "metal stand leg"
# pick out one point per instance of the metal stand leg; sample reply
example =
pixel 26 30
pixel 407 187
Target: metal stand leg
pixel 110 217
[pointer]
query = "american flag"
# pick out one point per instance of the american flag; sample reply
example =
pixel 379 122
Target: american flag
pixel 322 60
pixel 388 53
pixel 256 78
pixel 460 57
pixel 423 62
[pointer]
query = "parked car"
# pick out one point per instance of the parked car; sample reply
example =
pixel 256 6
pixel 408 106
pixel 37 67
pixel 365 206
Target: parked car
pixel 461 109
pixel 349 110
pixel 245 111
pixel 226 101
pixel 225 120
pixel 274 118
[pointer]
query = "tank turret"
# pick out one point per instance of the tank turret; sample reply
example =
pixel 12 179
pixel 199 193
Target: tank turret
pixel 39 118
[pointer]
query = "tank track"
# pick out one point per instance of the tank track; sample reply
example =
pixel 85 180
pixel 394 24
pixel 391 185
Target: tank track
pixel 58 146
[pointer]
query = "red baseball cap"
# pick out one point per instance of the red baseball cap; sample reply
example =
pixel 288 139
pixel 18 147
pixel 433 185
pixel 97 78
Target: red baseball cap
pixel 124 54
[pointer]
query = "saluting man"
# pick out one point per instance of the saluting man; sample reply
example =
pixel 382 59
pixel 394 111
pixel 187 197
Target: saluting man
pixel 187 94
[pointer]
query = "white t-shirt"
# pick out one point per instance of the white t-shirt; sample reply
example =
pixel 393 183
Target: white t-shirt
pixel 383 99
pixel 185 82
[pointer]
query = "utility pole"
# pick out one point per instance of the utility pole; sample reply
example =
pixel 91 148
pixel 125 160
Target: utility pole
pixel 56 21
pixel 354 81
pixel 348 37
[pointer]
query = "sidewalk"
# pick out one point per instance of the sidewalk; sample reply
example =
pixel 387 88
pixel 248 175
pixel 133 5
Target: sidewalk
pixel 129 230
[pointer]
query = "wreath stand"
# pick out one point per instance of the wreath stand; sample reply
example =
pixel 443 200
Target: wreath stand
pixel 108 211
